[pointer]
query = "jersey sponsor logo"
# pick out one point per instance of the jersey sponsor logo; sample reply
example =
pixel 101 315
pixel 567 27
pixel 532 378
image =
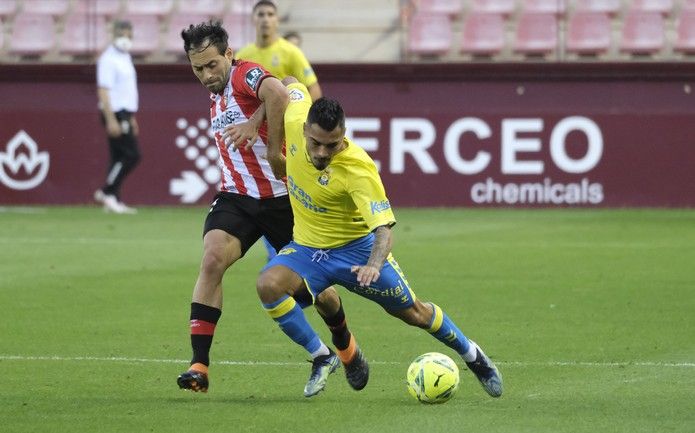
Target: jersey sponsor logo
pixel 379 206
pixel 22 165
pixel 296 95
pixel 293 149
pixel 303 197
pixel 225 119
pixel 252 77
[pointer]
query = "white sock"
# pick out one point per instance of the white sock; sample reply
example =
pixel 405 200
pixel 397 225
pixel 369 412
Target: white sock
pixel 323 350
pixel 472 352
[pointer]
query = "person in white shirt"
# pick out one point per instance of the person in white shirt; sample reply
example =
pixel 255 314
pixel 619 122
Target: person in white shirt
pixel 118 102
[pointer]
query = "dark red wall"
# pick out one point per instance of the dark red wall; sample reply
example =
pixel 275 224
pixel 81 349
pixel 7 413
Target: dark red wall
pixel 628 137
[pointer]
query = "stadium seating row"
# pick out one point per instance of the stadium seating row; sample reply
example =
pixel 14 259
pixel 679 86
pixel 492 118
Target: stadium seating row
pixel 82 35
pixel 110 8
pixel 552 29
pixel 449 30
pixel 545 34
pixel 53 30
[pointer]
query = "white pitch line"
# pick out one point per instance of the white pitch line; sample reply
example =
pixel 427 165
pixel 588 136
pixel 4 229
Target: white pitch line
pixel 83 240
pixel 278 363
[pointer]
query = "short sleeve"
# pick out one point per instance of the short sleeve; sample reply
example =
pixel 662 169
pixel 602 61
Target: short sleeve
pixel 368 194
pixel 248 77
pixel 106 73
pixel 297 109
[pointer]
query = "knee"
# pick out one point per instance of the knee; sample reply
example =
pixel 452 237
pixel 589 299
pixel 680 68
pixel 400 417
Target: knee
pixel 328 302
pixel 214 262
pixel 328 298
pixel 269 286
pixel 133 158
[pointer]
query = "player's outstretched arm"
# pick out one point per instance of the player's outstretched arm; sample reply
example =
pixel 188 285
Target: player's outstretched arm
pixel 275 96
pixel 383 241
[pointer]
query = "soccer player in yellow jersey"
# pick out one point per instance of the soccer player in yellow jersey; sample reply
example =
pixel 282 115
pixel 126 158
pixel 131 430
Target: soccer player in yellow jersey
pixel 279 56
pixel 342 235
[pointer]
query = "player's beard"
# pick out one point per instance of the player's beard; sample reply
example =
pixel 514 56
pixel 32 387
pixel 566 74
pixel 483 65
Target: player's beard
pixel 220 86
pixel 320 164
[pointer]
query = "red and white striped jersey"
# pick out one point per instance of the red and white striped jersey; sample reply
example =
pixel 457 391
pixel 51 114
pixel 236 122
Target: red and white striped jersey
pixel 244 171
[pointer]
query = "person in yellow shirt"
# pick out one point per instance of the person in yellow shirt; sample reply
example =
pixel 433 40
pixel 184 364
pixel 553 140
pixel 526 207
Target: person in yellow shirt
pixel 279 56
pixel 342 235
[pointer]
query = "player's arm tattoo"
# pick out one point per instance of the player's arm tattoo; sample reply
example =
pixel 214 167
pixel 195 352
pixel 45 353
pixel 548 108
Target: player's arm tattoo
pixel 381 247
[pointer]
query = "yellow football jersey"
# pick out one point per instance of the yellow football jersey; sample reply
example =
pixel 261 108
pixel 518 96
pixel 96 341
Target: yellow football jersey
pixel 340 204
pixel 281 58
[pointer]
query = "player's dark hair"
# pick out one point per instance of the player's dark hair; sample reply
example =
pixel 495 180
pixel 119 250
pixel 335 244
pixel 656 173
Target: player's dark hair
pixel 327 113
pixel 121 25
pixel 264 3
pixel 200 36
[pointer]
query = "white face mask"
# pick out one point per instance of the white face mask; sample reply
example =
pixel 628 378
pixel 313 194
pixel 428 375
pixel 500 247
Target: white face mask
pixel 123 43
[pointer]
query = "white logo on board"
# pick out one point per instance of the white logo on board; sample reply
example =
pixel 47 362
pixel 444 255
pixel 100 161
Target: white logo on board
pixel 196 142
pixel 22 166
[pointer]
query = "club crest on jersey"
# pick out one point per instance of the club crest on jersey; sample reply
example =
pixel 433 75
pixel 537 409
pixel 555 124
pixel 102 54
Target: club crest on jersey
pixel 293 149
pixel 252 77
pixel 324 178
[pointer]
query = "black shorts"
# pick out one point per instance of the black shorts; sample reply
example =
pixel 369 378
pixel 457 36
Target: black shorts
pixel 247 219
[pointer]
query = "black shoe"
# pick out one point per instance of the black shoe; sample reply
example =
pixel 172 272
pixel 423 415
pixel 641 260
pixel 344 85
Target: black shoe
pixel 357 371
pixel 195 380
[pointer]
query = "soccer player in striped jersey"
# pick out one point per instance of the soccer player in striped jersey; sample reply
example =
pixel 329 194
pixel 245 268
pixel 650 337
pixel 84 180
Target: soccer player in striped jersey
pixel 253 199
pixel 342 235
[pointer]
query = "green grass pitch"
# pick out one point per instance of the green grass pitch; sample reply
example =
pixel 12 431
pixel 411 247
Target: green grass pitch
pixel 590 315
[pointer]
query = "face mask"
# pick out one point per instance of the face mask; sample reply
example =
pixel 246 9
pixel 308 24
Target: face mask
pixel 123 43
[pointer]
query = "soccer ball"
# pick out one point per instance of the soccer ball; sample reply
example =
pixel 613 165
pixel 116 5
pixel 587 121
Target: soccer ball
pixel 433 378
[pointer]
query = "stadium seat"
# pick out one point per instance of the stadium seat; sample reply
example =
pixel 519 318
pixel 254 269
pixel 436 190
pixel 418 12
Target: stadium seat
pixel 685 33
pixel 664 7
pixel 429 34
pixel 240 29
pixel 7 7
pixel 48 7
pixel 158 8
pixel 446 7
pixel 504 7
pixel 544 6
pixel 84 35
pixel 483 34
pixel 107 8
pixel 536 34
pixel 642 33
pixel 589 33
pixel 241 7
pixel 32 34
pixel 210 8
pixel 179 21
pixel 610 7
pixel 145 34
